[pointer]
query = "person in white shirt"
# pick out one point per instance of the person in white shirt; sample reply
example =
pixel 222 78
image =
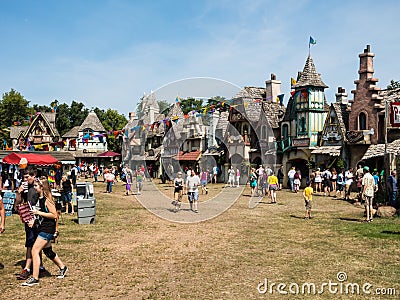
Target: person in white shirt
pixel 368 183
pixel 291 173
pixel 231 176
pixel 215 173
pixel 192 183
pixel 348 180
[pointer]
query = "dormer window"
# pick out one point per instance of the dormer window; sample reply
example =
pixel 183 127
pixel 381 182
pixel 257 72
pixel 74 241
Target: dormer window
pixel 263 132
pixel 87 132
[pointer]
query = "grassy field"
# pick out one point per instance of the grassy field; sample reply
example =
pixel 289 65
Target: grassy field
pixel 132 254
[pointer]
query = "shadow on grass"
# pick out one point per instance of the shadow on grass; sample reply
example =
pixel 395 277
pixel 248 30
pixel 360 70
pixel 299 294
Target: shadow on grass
pixel 390 232
pixel 350 219
pixel 20 263
pixel 297 217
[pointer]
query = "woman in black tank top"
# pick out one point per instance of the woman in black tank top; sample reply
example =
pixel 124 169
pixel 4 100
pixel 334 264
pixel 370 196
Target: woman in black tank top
pixel 45 221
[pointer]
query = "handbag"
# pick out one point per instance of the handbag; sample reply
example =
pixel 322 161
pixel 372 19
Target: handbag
pixel 25 213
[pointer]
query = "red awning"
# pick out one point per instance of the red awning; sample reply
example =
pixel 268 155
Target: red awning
pixel 108 154
pixel 32 158
pixel 192 156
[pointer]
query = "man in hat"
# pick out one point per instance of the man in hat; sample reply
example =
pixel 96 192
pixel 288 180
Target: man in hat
pixel 368 190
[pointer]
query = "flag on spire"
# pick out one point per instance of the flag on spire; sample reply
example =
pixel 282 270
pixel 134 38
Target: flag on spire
pixel 292 82
pixel 312 41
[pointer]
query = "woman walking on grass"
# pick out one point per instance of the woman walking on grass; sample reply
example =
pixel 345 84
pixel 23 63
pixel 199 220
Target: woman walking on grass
pixel 45 221
pixel 273 186
pixel 253 181
pixel 203 182
pixel 178 191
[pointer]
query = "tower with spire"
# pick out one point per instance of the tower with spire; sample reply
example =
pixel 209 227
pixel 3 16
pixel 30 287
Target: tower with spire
pixel 304 119
pixel 309 104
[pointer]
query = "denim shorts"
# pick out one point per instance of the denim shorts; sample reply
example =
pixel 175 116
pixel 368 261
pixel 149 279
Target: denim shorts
pixel 193 196
pixel 46 236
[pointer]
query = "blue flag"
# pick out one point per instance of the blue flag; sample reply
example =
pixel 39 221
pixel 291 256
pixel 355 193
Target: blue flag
pixel 312 41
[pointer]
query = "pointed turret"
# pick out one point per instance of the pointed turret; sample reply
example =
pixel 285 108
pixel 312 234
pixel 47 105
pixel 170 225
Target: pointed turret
pixel 309 76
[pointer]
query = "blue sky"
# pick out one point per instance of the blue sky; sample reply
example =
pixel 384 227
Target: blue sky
pixel 107 53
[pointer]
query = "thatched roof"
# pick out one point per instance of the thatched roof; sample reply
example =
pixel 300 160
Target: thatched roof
pixel 92 122
pixel 309 76
pixel 73 133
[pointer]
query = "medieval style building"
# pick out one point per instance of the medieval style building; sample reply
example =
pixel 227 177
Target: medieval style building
pixel 304 119
pixel 367 115
pixel 332 145
pixel 40 134
pixel 87 140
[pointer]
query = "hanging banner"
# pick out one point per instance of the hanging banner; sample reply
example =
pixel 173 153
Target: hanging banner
pixel 395 114
pixel 8 201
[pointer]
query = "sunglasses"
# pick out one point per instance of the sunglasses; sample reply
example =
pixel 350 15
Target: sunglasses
pixel 39 180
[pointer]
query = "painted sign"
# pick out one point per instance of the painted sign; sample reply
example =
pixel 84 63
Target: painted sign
pixel 395 114
pixel 8 201
pixel 301 142
pixel 354 136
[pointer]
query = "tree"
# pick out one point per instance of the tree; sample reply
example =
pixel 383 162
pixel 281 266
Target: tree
pixel 63 121
pixel 77 113
pixel 41 108
pixel 13 108
pixel 393 85
pixel 112 122
pixel 190 104
pixel 164 106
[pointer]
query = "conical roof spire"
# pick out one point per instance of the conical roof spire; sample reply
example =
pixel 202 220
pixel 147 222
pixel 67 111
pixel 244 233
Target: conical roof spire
pixel 309 76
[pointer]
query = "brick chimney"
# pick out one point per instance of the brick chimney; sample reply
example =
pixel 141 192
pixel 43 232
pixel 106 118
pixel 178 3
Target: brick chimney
pixel 367 101
pixel 272 88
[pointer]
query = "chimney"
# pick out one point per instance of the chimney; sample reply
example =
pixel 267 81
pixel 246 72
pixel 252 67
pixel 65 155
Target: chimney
pixel 341 96
pixel 272 88
pixel 366 63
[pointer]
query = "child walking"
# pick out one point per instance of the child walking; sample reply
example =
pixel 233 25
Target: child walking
pixel 307 194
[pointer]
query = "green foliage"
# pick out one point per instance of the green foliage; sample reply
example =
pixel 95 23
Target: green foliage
pixel 13 108
pixel 164 106
pixel 112 121
pixel 340 164
pixel 190 104
pixel 77 113
pixel 393 85
pixel 41 108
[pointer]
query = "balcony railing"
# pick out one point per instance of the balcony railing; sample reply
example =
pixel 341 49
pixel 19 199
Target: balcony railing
pixel 283 145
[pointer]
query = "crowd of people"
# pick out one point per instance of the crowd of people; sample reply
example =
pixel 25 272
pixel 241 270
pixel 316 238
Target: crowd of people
pixel 42 228
pixel 266 182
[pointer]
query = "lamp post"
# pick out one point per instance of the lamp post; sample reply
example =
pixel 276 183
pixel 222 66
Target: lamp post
pixel 386 161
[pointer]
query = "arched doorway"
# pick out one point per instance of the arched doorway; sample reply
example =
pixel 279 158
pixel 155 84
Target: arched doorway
pixel 302 165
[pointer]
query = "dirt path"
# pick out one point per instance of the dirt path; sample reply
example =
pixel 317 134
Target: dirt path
pixel 131 253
